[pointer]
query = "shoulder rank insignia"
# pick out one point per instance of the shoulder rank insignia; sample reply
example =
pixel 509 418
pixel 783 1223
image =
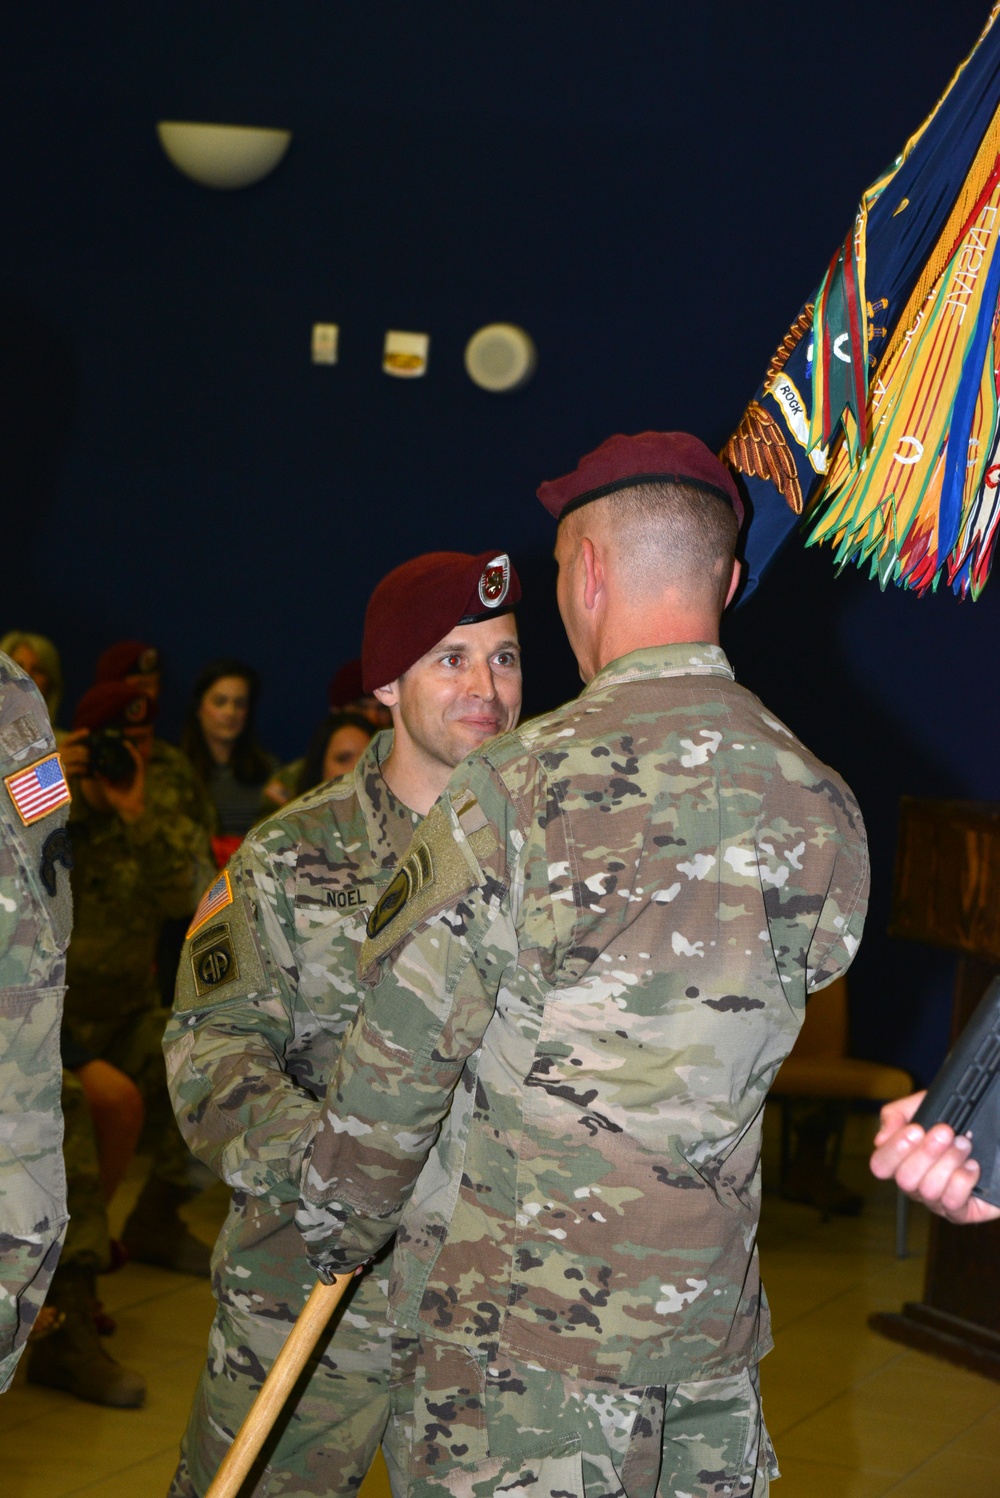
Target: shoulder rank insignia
pixel 215 898
pixel 213 959
pixel 415 874
pixel 38 790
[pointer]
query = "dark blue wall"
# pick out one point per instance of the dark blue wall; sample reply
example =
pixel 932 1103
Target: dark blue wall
pixel 651 190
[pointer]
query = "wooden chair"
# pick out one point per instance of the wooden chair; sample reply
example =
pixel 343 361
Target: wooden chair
pixel 819 1067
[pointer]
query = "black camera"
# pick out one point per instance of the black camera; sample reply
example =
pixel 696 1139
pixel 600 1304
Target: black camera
pixel 110 757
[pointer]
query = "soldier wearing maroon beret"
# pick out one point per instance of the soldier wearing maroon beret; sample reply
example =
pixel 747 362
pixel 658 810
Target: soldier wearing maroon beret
pixel 594 958
pixel 267 987
pixel 133 662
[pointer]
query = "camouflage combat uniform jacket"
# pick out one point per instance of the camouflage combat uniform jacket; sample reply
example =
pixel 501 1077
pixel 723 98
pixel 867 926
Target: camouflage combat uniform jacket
pixel 35 916
pixel 128 878
pixel 172 786
pixel 250 1054
pixel 266 990
pixel 596 954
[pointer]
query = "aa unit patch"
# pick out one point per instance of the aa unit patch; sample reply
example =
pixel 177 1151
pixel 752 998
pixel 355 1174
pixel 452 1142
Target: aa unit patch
pixel 416 873
pixel 38 790
pixel 213 959
pixel 215 898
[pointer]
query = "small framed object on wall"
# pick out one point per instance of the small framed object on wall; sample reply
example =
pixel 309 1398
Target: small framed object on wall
pixel 405 354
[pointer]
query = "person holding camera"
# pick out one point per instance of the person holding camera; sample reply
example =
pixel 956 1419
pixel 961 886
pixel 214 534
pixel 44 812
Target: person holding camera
pixel 134 867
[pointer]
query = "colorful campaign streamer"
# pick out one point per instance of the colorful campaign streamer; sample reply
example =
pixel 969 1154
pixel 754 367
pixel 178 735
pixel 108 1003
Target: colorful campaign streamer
pixel 878 415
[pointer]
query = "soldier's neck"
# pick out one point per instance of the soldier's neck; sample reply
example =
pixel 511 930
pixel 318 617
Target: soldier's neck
pixel 413 780
pixel 621 637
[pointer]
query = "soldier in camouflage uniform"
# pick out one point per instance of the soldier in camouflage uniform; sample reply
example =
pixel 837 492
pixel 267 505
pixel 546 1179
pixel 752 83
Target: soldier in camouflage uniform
pixel 35 915
pixel 171 785
pixel 266 990
pixel 596 954
pixel 139 860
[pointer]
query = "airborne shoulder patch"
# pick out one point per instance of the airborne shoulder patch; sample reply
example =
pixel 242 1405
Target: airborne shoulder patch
pixel 213 959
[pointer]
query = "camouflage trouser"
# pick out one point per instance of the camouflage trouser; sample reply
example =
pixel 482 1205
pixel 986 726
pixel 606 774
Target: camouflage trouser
pixel 134 1043
pixel 329 1431
pixel 467 1428
pixel 88 1242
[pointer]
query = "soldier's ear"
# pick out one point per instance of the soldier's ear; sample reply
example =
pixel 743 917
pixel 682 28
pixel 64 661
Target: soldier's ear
pixel 388 695
pixel 593 573
pixel 734 581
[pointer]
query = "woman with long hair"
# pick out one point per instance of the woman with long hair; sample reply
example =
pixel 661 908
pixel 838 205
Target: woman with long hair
pixel 334 749
pixel 221 742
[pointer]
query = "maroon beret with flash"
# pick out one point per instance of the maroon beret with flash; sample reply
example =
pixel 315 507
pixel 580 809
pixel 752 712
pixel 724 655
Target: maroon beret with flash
pixel 648 458
pixel 346 686
pixel 127 658
pixel 113 704
pixel 416 605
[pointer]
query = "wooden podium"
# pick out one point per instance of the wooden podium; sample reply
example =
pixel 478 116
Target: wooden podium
pixel 947 892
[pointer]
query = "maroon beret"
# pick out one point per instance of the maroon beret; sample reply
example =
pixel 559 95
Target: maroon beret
pixel 650 457
pixel 418 603
pixel 127 658
pixel 346 686
pixel 113 704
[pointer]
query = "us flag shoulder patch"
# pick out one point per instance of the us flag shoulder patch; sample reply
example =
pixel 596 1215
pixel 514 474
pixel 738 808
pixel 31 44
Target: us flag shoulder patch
pixel 215 898
pixel 38 790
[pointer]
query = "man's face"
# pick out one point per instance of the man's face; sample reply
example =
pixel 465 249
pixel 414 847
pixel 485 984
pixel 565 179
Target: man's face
pixel 463 692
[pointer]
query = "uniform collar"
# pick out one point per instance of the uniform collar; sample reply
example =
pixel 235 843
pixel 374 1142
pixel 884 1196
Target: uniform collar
pixel 660 661
pixel 388 822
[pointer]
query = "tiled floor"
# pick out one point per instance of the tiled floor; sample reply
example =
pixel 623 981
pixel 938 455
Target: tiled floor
pixel 852 1415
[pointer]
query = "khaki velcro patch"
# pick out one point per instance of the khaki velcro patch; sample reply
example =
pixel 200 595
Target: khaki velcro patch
pixel 434 874
pixel 213 959
pixel 222 961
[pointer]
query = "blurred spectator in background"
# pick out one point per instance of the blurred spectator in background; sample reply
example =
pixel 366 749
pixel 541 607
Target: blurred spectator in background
pixel 103 1114
pixel 346 694
pixel 133 865
pixel 334 749
pixel 40 659
pixel 135 663
pixel 221 743
pixel 171 786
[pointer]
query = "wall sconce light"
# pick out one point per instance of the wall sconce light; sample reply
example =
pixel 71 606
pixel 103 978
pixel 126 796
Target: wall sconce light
pixel 222 155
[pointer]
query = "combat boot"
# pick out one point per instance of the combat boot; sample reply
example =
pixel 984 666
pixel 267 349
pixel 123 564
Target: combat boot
pixel 71 1358
pixel 156 1234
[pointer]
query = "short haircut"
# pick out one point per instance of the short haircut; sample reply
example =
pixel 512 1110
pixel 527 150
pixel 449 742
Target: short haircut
pixel 672 535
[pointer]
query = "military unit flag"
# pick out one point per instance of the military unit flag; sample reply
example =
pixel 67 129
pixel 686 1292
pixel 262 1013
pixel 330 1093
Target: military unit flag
pixel 879 416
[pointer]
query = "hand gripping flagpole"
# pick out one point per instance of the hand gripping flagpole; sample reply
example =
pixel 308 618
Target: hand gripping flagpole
pixel 312 1320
